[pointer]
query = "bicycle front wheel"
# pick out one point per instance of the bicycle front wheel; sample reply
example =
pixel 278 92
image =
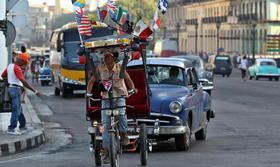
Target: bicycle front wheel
pixel 114 155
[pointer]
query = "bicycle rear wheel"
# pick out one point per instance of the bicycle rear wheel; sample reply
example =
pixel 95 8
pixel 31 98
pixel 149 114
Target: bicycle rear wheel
pixel 113 152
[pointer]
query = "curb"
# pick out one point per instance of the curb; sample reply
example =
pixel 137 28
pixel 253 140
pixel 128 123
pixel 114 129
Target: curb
pixel 22 145
pixel 33 138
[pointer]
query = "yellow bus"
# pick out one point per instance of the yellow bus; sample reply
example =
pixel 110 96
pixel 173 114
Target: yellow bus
pixel 67 74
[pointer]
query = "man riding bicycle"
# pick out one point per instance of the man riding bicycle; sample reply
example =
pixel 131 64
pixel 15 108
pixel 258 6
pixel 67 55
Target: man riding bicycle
pixel 110 70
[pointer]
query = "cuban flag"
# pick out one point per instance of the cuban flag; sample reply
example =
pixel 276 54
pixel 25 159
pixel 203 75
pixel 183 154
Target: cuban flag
pixel 162 5
pixel 156 21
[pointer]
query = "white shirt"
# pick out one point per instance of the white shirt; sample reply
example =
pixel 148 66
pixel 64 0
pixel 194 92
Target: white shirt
pixel 243 64
pixel 12 76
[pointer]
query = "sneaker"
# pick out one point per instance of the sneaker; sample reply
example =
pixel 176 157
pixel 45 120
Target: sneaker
pixel 125 139
pixel 13 132
pixel 106 159
pixel 25 129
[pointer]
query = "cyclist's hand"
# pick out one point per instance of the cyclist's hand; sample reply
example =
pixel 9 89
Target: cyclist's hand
pixel 88 95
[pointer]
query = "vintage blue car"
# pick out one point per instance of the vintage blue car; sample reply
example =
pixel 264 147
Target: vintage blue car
pixel 45 73
pixel 179 106
pixel 264 68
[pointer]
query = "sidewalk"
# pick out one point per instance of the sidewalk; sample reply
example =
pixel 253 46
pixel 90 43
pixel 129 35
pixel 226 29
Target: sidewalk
pixel 10 144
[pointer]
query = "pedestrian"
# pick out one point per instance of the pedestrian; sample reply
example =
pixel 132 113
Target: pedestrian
pixel 13 75
pixel 24 72
pixel 243 68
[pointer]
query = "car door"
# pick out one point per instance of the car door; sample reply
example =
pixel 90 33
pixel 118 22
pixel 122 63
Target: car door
pixel 198 99
pixel 190 107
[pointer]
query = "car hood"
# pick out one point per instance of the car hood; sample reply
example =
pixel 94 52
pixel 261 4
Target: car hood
pixel 161 94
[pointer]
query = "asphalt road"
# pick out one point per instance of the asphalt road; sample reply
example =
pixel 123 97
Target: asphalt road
pixel 245 132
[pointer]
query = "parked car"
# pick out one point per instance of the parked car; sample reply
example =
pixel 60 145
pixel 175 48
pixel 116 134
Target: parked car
pixel 264 68
pixel 205 77
pixel 222 65
pixel 179 106
pixel 45 73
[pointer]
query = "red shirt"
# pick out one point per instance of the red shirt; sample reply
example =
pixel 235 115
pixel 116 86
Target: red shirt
pixel 17 71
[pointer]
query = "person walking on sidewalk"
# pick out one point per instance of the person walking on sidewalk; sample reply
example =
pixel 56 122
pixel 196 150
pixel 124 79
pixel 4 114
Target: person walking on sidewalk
pixel 13 75
pixel 243 68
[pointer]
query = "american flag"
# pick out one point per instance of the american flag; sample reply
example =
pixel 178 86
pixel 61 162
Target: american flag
pixel 84 25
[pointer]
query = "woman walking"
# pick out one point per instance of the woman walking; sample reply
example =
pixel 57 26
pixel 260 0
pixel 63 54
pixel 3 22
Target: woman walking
pixel 243 68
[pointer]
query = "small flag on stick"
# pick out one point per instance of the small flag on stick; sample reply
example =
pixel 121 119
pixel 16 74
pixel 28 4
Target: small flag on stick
pixel 142 30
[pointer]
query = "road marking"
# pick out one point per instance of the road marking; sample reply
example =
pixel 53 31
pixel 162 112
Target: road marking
pixel 18 159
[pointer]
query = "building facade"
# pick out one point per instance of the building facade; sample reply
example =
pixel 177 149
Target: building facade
pixel 233 25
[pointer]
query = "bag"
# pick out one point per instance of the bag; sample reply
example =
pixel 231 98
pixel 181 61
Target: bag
pixel 4 96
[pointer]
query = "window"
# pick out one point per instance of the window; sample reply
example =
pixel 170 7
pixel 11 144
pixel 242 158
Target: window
pixel 267 63
pixel 165 75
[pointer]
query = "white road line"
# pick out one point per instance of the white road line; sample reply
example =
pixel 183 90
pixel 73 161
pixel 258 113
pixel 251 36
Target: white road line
pixel 18 159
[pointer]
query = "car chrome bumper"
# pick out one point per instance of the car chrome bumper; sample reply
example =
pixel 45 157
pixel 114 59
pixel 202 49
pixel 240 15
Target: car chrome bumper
pixel 267 75
pixel 166 130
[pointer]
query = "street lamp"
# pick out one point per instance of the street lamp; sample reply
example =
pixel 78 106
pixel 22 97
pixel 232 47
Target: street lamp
pixel 178 30
pixel 196 27
pixel 254 24
pixel 218 25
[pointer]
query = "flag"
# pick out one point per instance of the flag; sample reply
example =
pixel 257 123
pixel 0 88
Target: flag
pixel 142 30
pixel 162 5
pixel 78 10
pixel 101 14
pixel 92 19
pixel 84 25
pixel 156 21
pixel 121 15
pixel 127 17
pixel 79 3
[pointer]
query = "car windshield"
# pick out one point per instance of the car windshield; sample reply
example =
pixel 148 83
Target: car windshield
pixel 267 63
pixel 165 75
pixel 222 60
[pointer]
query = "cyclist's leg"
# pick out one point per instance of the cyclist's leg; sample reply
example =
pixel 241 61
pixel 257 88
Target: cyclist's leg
pixel 105 122
pixel 122 116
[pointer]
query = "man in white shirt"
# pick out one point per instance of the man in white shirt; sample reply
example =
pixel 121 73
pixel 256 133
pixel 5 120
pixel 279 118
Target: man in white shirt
pixel 15 78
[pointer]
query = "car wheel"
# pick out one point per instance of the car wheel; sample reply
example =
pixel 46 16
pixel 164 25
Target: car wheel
pixel 65 93
pixel 42 83
pixel 257 78
pixel 223 75
pixel 270 78
pixel 56 91
pixel 202 133
pixel 228 75
pixel 276 78
pixel 183 141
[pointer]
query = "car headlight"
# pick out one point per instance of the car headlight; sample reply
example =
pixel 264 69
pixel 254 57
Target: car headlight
pixel 175 107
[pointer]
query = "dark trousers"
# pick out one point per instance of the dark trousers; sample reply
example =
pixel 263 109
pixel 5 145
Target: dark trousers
pixel 243 73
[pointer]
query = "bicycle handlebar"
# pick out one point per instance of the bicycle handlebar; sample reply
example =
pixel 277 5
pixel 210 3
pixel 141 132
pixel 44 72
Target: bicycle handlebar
pixel 130 93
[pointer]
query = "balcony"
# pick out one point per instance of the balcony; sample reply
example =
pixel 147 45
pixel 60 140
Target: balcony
pixel 220 19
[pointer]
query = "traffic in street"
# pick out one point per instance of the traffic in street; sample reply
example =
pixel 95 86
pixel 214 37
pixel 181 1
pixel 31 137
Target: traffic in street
pixel 244 133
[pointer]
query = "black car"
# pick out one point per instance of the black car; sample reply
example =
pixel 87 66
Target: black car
pixel 222 65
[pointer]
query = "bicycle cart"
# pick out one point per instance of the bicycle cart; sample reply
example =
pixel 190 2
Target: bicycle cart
pixel 137 105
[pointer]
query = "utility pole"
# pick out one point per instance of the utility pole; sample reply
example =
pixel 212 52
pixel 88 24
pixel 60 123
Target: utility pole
pixel 3 49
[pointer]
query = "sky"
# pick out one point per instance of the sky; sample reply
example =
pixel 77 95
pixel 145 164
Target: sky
pixel 64 3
